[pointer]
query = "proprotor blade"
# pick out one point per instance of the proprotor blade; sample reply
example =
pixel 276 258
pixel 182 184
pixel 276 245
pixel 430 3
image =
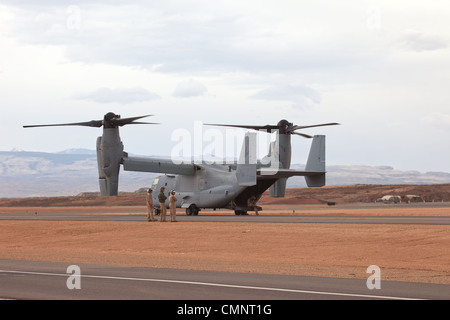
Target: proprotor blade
pixel 141 122
pixel 266 127
pixel 312 126
pixel 302 134
pixel 125 121
pixel 283 126
pixel 93 123
pixel 109 121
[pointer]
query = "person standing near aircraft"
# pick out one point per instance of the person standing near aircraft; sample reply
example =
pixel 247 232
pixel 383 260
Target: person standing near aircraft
pixel 173 206
pixel 149 201
pixel 162 204
pixel 251 202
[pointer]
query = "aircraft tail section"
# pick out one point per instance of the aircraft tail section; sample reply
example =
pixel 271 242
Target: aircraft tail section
pixel 316 162
pixel 246 166
pixel 101 174
pixel 278 189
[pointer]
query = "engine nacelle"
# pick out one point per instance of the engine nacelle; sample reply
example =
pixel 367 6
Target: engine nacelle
pixel 109 157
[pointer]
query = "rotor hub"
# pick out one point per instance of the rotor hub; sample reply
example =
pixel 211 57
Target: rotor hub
pixel 108 120
pixel 283 126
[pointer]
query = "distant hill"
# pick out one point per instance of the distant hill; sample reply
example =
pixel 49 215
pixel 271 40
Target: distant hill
pixel 34 174
pixel 361 193
pixel 294 196
pixel 73 171
pixel 361 174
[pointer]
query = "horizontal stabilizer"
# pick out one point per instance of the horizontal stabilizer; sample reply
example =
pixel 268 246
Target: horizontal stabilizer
pixel 267 173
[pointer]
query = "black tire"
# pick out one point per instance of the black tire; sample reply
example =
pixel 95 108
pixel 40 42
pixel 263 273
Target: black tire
pixel 192 210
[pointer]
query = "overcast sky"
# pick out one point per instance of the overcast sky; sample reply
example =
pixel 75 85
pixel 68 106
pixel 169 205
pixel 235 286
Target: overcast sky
pixel 380 68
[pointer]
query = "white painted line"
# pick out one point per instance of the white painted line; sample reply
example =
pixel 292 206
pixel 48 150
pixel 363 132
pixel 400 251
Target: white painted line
pixel 214 285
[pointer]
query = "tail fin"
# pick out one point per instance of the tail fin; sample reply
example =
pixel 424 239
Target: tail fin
pixel 278 188
pixel 101 174
pixel 280 157
pixel 246 166
pixel 316 162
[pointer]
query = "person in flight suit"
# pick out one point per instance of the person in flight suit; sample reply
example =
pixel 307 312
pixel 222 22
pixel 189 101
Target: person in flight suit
pixel 149 201
pixel 251 202
pixel 173 206
pixel 162 204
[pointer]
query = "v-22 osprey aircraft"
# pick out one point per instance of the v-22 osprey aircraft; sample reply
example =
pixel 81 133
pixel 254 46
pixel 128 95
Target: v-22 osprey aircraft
pixel 207 185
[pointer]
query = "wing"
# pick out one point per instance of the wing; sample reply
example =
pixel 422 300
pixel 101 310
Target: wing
pixel 158 165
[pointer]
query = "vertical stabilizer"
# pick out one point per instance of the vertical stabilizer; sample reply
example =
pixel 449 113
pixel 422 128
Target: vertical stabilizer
pixel 101 174
pixel 316 162
pixel 282 152
pixel 246 166
pixel 278 189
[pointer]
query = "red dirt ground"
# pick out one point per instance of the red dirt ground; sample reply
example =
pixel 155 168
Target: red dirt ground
pixel 418 253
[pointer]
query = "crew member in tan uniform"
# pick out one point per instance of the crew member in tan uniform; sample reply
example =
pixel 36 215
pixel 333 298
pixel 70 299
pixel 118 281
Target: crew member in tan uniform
pixel 173 206
pixel 149 201
pixel 162 204
pixel 251 202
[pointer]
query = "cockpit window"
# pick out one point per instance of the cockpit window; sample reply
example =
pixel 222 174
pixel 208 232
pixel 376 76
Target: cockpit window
pixel 155 183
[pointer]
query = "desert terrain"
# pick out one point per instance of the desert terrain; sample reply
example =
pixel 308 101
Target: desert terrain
pixel 416 253
pixel 338 194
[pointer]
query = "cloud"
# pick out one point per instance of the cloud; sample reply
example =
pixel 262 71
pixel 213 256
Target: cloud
pixel 301 96
pixel 419 41
pixel 189 88
pixel 168 36
pixel 171 36
pixel 280 54
pixel 118 95
pixel 438 121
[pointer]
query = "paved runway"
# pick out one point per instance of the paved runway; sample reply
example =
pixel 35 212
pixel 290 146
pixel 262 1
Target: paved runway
pixel 302 216
pixel 139 216
pixel 49 280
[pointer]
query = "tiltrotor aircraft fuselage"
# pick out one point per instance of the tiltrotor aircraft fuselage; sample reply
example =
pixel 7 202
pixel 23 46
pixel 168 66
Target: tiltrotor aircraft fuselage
pixel 200 185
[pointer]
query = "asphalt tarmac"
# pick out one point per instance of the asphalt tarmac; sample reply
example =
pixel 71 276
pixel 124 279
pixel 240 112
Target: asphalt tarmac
pixel 50 280
pixel 42 214
pixel 299 215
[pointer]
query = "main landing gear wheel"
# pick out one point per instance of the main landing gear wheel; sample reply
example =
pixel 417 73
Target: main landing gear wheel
pixel 192 210
pixel 240 212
